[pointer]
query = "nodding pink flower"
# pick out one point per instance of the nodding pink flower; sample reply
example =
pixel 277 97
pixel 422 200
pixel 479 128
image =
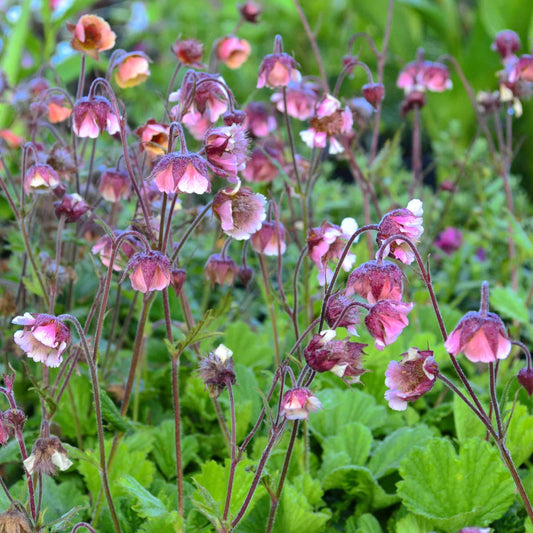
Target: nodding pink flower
pixel 241 212
pixel 154 137
pixel 449 240
pixel 234 117
pixel 386 320
pixel 302 98
pixel 250 11
pixel 216 370
pixel 232 51
pixel 58 108
pixel 47 455
pixel 269 239
pixel 71 206
pixel 189 52
pixel 342 358
pixel 421 76
pixel 43 339
pixel 115 185
pixel 376 281
pixel 221 270
pixel 277 69
pixel 91 35
pixel 339 306
pixel 104 247
pixel 91 116
pixel 525 378
pixel 327 243
pixel 329 120
pixel 374 93
pixel 132 69
pixel 520 70
pixel 226 150
pixel 406 222
pixel 260 119
pixel 298 403
pixel 261 166
pixel 475 530
pixel 411 378
pixel 40 178
pixel 481 337
pixel 149 271
pixel 182 173
pixel 506 43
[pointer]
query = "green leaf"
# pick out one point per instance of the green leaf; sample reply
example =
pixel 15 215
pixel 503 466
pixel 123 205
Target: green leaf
pixel 60 500
pixel 456 491
pixel 519 438
pixel 368 523
pixel 111 414
pixel 509 303
pixel 413 524
pixel 390 452
pixel 520 237
pixel 467 424
pixel 250 348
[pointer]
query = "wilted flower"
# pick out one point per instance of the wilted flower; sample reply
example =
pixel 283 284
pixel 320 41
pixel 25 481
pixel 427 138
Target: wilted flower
pixel 376 281
pixel 47 455
pixel 386 320
pixel 411 378
pixel 43 339
pixel 329 120
pixel 91 35
pixel 341 357
pixel 132 69
pixel 91 116
pixel 298 403
pixel 269 239
pixel 221 270
pixel 40 178
pixel 481 336
pixel 302 98
pixel 260 119
pixel 449 240
pixel 216 370
pixel 342 312
pixel 181 173
pixel 406 222
pixel 226 150
pixel 327 243
pixel 71 206
pixel 13 521
pixel 232 51
pixel 277 69
pixel 115 185
pixel 240 212
pixel 149 271
pixel 189 52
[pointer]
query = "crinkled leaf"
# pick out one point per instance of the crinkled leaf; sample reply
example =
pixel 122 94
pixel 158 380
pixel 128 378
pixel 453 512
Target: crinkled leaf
pixel 510 304
pixel 467 424
pixel 456 491
pixel 59 499
pixel 367 523
pixel 413 524
pixel 111 414
pixel 250 348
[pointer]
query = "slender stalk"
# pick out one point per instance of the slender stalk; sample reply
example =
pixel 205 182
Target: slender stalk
pixel 417 152
pixel 494 400
pixel 271 309
pixel 233 464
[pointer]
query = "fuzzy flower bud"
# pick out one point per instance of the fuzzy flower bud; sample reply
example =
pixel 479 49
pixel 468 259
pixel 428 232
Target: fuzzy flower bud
pixel 298 403
pixel 177 279
pixel 506 43
pixel 250 11
pixel 71 206
pixel 221 270
pixel 342 313
pixel 525 378
pixel 374 93
pixel 189 52
pixel 216 370
pixel 375 281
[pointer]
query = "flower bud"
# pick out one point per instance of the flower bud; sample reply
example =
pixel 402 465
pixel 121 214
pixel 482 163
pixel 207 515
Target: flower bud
pixel 221 270
pixel 71 206
pixel 449 240
pixel 340 306
pixel 374 93
pixel 525 378
pixel 250 11
pixel 189 52
pixel 506 43
pixel 177 279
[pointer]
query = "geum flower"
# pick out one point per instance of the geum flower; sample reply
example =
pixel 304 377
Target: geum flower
pixel 302 98
pixel 92 115
pixel 376 281
pixel 43 339
pixel 269 239
pixel 149 271
pixel 47 455
pixel 343 312
pixel 298 403
pixel 220 270
pixel 421 76
pixel 232 51
pixel 40 178
pixel 260 119
pixel 411 378
pixel 386 320
pixel 132 69
pixel 226 150
pixel 277 70
pixel 216 370
pixel 91 35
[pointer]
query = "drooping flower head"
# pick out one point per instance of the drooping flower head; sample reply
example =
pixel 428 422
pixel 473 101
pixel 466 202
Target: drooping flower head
pixel 341 357
pixel 525 378
pixel 40 178
pixel 149 271
pixel 240 212
pixel 154 137
pixel 326 243
pixel 104 248
pixel 232 51
pixel 260 119
pixel 386 320
pixel 374 93
pixel 298 403
pixel 14 521
pixel 277 69
pixel 269 239
pixel 408 222
pixel 189 52
pixel 302 98
pixel 91 35
pixel 47 455
pixel 342 312
pixel 261 166
pixel 250 11
pixel 71 206
pixel 421 76
pixel 43 339
pixel 376 281
pixel 132 69
pixel 216 370
pixel 226 150
pixel 58 108
pixel 115 185
pixel 411 378
pixel 220 270
pixel 92 115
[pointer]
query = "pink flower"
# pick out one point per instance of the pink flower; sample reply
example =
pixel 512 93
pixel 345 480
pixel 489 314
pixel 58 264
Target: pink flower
pixel 44 338
pixel 154 137
pixel 525 378
pixel 40 178
pixel 342 358
pixel 327 243
pixel 421 76
pixel 269 239
pixel 411 378
pixel 221 270
pixel 241 212
pixel 58 108
pixel 506 43
pixel 104 246
pixel 132 69
pixel 149 271
pixel 91 116
pixel 481 336
pixel 232 51
pixel 226 150
pixel 302 98
pixel 91 35
pixel 329 120
pixel 520 70
pixel 298 403
pixel 250 11
pixel 375 281
pixel 178 277
pixel 71 206
pixel 277 69
pixel 374 93
pixel 449 240
pixel 259 119
pixel 189 52
pixel 341 306
pixel 406 222
pixel 261 166
pixel 386 320
pixel 115 185
pixel 182 173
